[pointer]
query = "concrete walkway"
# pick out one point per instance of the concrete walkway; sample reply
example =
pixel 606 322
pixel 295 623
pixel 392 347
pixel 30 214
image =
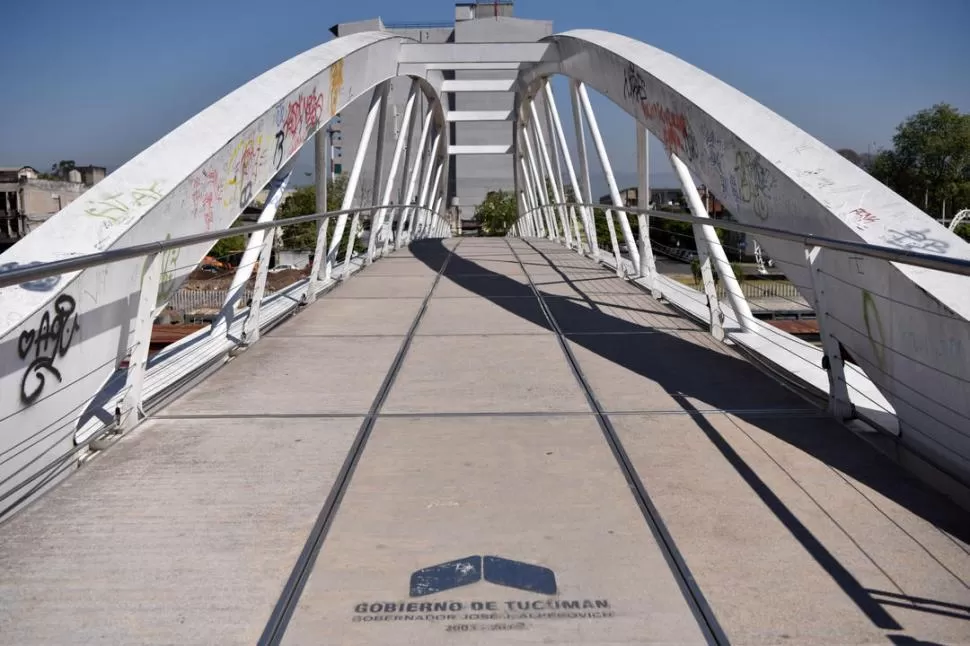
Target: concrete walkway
pixel 485 441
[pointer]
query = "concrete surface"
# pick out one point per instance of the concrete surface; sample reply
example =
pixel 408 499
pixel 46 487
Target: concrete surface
pixel 795 531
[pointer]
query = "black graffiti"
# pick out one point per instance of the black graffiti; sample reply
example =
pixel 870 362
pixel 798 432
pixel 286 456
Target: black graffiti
pixel 246 195
pixel 39 285
pixel 51 340
pixel 278 153
pixel 633 84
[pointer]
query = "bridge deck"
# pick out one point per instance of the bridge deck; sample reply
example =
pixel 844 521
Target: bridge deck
pixel 584 467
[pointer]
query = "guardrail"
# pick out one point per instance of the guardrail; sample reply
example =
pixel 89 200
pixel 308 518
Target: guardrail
pixel 711 254
pixel 128 402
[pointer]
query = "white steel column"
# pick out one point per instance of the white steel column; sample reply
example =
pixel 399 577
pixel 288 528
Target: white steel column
pixel 430 214
pixel 715 313
pixel 724 269
pixel 840 405
pixel 648 266
pixel 569 212
pixel 584 167
pixel 377 221
pixel 417 219
pixel 321 171
pixel 531 200
pixel 539 187
pixel 250 333
pixel 253 247
pixel 545 163
pixel 351 189
pixel 383 88
pixel 138 359
pixel 413 183
pixel 631 243
pixel 560 136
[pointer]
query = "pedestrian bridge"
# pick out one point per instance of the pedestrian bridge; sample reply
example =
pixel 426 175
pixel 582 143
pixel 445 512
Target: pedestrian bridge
pixel 519 439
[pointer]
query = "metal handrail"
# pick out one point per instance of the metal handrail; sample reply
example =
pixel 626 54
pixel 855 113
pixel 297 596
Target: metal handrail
pixel 916 258
pixel 28 273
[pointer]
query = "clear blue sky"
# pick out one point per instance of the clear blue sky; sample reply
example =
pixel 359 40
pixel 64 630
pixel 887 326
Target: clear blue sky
pixel 99 81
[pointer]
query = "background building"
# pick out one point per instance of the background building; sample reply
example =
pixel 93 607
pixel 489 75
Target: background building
pixel 470 176
pixel 27 199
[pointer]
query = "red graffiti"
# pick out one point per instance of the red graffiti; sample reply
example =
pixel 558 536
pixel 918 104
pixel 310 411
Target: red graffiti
pixel 206 190
pixel 863 218
pixel 294 117
pixel 313 110
pixel 676 136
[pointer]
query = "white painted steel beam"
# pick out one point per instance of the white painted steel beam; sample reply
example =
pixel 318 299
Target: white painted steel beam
pixel 479 149
pixel 422 69
pixel 479 115
pixel 450 53
pixel 477 85
pixel 583 165
pixel 413 182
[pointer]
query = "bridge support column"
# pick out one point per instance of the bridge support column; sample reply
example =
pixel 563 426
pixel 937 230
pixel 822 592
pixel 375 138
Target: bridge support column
pixel 560 137
pixel 840 405
pixel 413 182
pixel 584 168
pixel 549 173
pixel 321 173
pixel 131 406
pixel 715 313
pixel 334 250
pixel 614 192
pixel 570 228
pixel 648 266
pixel 250 332
pixel 418 218
pixel 741 310
pixel 226 315
pixel 377 220
pixel 381 93
pixel 539 187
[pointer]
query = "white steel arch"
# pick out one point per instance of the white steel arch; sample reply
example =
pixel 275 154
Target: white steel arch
pixel 61 339
pixel 907 327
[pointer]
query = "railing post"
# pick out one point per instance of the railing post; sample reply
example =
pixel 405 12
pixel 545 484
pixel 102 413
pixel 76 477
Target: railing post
pixel 132 402
pixel 648 266
pixel 840 405
pixel 610 180
pixel 250 333
pixel 741 309
pixel 584 166
pixel 710 287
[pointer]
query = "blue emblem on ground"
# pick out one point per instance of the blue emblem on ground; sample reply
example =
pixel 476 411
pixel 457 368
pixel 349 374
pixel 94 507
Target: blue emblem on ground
pixel 494 569
pixel 446 576
pixel 522 576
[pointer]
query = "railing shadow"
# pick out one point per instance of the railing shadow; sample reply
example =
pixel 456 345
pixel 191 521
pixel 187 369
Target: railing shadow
pixel 689 371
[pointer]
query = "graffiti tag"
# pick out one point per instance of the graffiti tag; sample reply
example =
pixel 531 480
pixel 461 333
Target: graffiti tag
pixel 114 208
pixel 913 240
pixel 675 132
pixel 39 285
pixel 861 219
pixel 752 183
pixel 206 190
pixel 49 341
pixel 336 84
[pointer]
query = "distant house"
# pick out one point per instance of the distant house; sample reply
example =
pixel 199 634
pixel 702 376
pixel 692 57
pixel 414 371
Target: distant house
pixel 27 200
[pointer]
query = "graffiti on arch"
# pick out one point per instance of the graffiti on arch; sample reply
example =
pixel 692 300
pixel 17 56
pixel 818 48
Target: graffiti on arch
pixel 44 345
pixel 752 183
pixel 675 131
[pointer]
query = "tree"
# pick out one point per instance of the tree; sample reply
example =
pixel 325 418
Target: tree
pixel 497 212
pixel 930 161
pixel 851 155
pixel 303 201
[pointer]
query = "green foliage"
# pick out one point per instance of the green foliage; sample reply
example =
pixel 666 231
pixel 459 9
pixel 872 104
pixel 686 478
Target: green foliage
pixel 497 212
pixel 303 201
pixel 227 247
pixel 930 160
